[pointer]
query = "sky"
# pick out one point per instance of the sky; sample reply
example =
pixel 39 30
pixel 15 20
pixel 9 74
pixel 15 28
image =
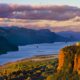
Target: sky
pixel 43 2
pixel 57 18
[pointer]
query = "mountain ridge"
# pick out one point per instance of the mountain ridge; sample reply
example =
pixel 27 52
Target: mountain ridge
pixel 24 36
pixel 70 34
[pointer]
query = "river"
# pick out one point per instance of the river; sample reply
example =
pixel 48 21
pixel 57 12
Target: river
pixel 32 50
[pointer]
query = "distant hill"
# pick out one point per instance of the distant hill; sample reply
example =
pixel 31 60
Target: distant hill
pixel 23 36
pixel 70 34
pixel 5 45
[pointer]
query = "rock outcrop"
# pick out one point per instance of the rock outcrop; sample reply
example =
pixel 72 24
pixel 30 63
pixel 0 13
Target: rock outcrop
pixel 61 60
pixel 77 63
pixel 69 59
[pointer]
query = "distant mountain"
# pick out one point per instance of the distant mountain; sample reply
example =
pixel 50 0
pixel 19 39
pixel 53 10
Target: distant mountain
pixel 23 36
pixel 5 45
pixel 70 34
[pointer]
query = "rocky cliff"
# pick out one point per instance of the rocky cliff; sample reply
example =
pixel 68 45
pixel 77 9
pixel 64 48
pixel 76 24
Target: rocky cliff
pixel 69 59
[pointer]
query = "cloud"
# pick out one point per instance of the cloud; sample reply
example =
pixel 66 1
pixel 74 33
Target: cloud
pixel 55 18
pixel 38 12
pixel 72 24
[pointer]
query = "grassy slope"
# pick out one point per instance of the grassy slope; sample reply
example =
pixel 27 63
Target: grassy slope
pixel 38 67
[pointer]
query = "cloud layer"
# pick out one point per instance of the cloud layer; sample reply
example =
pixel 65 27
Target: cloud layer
pixel 55 18
pixel 54 25
pixel 38 12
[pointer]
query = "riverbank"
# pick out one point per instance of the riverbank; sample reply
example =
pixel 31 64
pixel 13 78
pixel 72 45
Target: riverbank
pixel 35 58
pixel 35 67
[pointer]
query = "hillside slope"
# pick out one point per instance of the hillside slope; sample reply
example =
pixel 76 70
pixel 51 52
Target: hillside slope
pixel 23 36
pixel 5 45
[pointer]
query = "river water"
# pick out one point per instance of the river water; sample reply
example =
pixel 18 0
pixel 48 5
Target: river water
pixel 32 50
